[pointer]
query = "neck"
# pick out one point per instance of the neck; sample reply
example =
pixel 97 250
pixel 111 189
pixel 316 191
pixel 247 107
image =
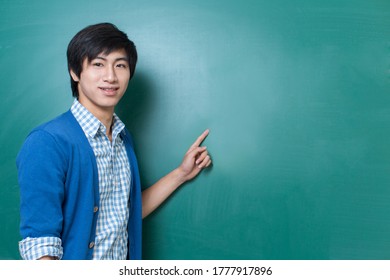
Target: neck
pixel 107 122
pixel 104 115
pixel 106 118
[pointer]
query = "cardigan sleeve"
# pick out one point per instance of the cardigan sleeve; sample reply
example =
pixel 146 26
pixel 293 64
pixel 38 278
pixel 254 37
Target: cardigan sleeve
pixel 42 167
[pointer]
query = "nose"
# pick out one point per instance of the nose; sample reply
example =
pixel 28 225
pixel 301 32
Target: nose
pixel 110 75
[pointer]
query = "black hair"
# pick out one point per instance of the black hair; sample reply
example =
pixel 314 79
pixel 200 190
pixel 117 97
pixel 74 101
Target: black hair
pixel 94 40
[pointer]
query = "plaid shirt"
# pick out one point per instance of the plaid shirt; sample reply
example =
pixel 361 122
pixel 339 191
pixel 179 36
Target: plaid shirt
pixel 114 189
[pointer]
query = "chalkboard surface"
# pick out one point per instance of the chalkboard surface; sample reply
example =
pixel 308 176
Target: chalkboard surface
pixel 296 95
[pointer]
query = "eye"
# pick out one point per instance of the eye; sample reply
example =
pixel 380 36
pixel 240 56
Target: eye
pixel 97 64
pixel 121 65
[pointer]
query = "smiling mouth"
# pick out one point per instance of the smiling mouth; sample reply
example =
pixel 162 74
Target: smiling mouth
pixel 109 90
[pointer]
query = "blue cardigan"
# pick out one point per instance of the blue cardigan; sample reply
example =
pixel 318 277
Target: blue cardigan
pixel 59 189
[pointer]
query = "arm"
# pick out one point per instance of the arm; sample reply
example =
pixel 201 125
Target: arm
pixel 41 248
pixel 195 160
pixel 41 175
pixel 48 258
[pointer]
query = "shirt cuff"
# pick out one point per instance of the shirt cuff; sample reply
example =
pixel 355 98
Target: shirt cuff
pixel 35 248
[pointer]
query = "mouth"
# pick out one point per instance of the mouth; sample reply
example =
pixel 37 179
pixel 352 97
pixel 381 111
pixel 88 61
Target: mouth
pixel 110 91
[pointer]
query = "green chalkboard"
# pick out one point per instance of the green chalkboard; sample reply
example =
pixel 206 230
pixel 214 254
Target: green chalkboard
pixel 296 95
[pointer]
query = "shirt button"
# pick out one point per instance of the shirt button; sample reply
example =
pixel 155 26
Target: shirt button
pixel 91 245
pixel 95 209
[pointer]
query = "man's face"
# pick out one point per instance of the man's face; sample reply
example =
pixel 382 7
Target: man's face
pixel 103 81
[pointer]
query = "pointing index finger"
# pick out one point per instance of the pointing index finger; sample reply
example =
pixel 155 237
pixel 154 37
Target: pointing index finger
pixel 200 139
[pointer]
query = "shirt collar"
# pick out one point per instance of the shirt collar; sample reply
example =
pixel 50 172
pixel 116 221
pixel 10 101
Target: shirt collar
pixel 117 127
pixel 90 124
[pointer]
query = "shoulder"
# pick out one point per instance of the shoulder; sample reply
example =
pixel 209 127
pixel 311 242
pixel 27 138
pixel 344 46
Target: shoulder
pixel 62 128
pixel 64 123
pixel 63 131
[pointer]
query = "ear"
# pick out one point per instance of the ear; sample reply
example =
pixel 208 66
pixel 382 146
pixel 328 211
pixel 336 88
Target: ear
pixel 74 76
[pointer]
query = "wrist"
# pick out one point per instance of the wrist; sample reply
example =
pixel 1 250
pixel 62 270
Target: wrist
pixel 180 176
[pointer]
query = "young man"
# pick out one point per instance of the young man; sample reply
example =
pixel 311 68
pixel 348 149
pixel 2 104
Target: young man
pixel 79 183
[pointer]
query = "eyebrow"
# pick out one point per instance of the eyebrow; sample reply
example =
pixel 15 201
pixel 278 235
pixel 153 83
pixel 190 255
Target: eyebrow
pixel 117 59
